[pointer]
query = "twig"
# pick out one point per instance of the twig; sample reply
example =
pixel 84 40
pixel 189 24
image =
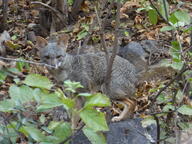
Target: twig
pixel 81 48
pixel 184 69
pixel 191 38
pixel 56 12
pixel 115 48
pixel 158 128
pixel 159 13
pixel 102 36
pixel 75 8
pixel 101 31
pixel 26 61
pixel 5 7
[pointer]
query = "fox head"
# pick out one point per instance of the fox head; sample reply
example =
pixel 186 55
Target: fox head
pixel 53 51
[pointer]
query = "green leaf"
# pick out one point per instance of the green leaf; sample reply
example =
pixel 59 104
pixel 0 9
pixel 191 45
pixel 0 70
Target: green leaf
pixel 70 2
pixel 98 99
pixel 3 76
pixel 21 94
pixel 162 9
pixel 42 118
pixel 68 103
pixel 35 133
pixel 148 121
pixel 12 45
pixel 173 19
pixel 36 80
pixel 175 51
pixel 179 96
pixel 85 94
pixel 177 66
pixel 185 125
pixel 94 119
pixel 62 131
pixel 126 33
pixel 72 86
pixel 167 28
pixel 185 110
pixel 183 16
pixel 14 37
pixel 21 65
pixel 152 16
pixel 48 101
pixel 7 105
pixel 168 107
pixel 85 26
pixel 163 99
pixel 188 29
pixel 94 137
pixel 53 124
pixel 82 34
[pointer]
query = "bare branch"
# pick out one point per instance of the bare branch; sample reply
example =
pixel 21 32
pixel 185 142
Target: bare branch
pixel 102 35
pixel 115 48
pixel 158 129
pixel 184 69
pixel 26 61
pixel 56 12
pixel 5 7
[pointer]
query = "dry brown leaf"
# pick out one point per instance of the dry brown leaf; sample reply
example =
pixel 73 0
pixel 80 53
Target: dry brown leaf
pixel 127 6
pixel 138 19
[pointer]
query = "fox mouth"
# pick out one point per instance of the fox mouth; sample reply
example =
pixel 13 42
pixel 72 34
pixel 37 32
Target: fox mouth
pixel 58 65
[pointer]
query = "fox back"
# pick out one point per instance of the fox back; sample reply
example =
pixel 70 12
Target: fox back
pixel 90 69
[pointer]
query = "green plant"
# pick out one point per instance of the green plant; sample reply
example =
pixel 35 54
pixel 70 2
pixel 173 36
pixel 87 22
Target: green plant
pixel 175 112
pixel 24 113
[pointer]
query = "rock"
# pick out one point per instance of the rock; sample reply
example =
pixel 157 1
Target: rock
pixel 124 132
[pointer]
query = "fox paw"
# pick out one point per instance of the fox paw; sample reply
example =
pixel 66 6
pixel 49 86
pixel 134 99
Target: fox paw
pixel 116 119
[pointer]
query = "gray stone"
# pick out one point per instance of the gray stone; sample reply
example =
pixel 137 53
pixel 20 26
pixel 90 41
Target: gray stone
pixel 124 132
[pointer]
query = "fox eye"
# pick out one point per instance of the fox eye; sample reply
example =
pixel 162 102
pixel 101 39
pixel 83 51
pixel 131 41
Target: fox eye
pixel 59 56
pixel 47 57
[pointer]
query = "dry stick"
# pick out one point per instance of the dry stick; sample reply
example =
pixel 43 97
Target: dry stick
pixel 102 36
pixel 101 33
pixel 5 7
pixel 184 69
pixel 191 38
pixel 56 12
pixel 26 61
pixel 158 128
pixel 75 8
pixel 80 49
pixel 91 30
pixel 115 48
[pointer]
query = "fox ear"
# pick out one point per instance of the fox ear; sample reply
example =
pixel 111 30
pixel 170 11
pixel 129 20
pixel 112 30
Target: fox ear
pixel 41 42
pixel 62 41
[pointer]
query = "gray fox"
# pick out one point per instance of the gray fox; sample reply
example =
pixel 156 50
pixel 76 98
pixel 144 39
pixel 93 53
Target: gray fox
pixel 90 70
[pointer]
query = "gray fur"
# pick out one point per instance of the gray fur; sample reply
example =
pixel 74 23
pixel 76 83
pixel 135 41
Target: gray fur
pixel 90 69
